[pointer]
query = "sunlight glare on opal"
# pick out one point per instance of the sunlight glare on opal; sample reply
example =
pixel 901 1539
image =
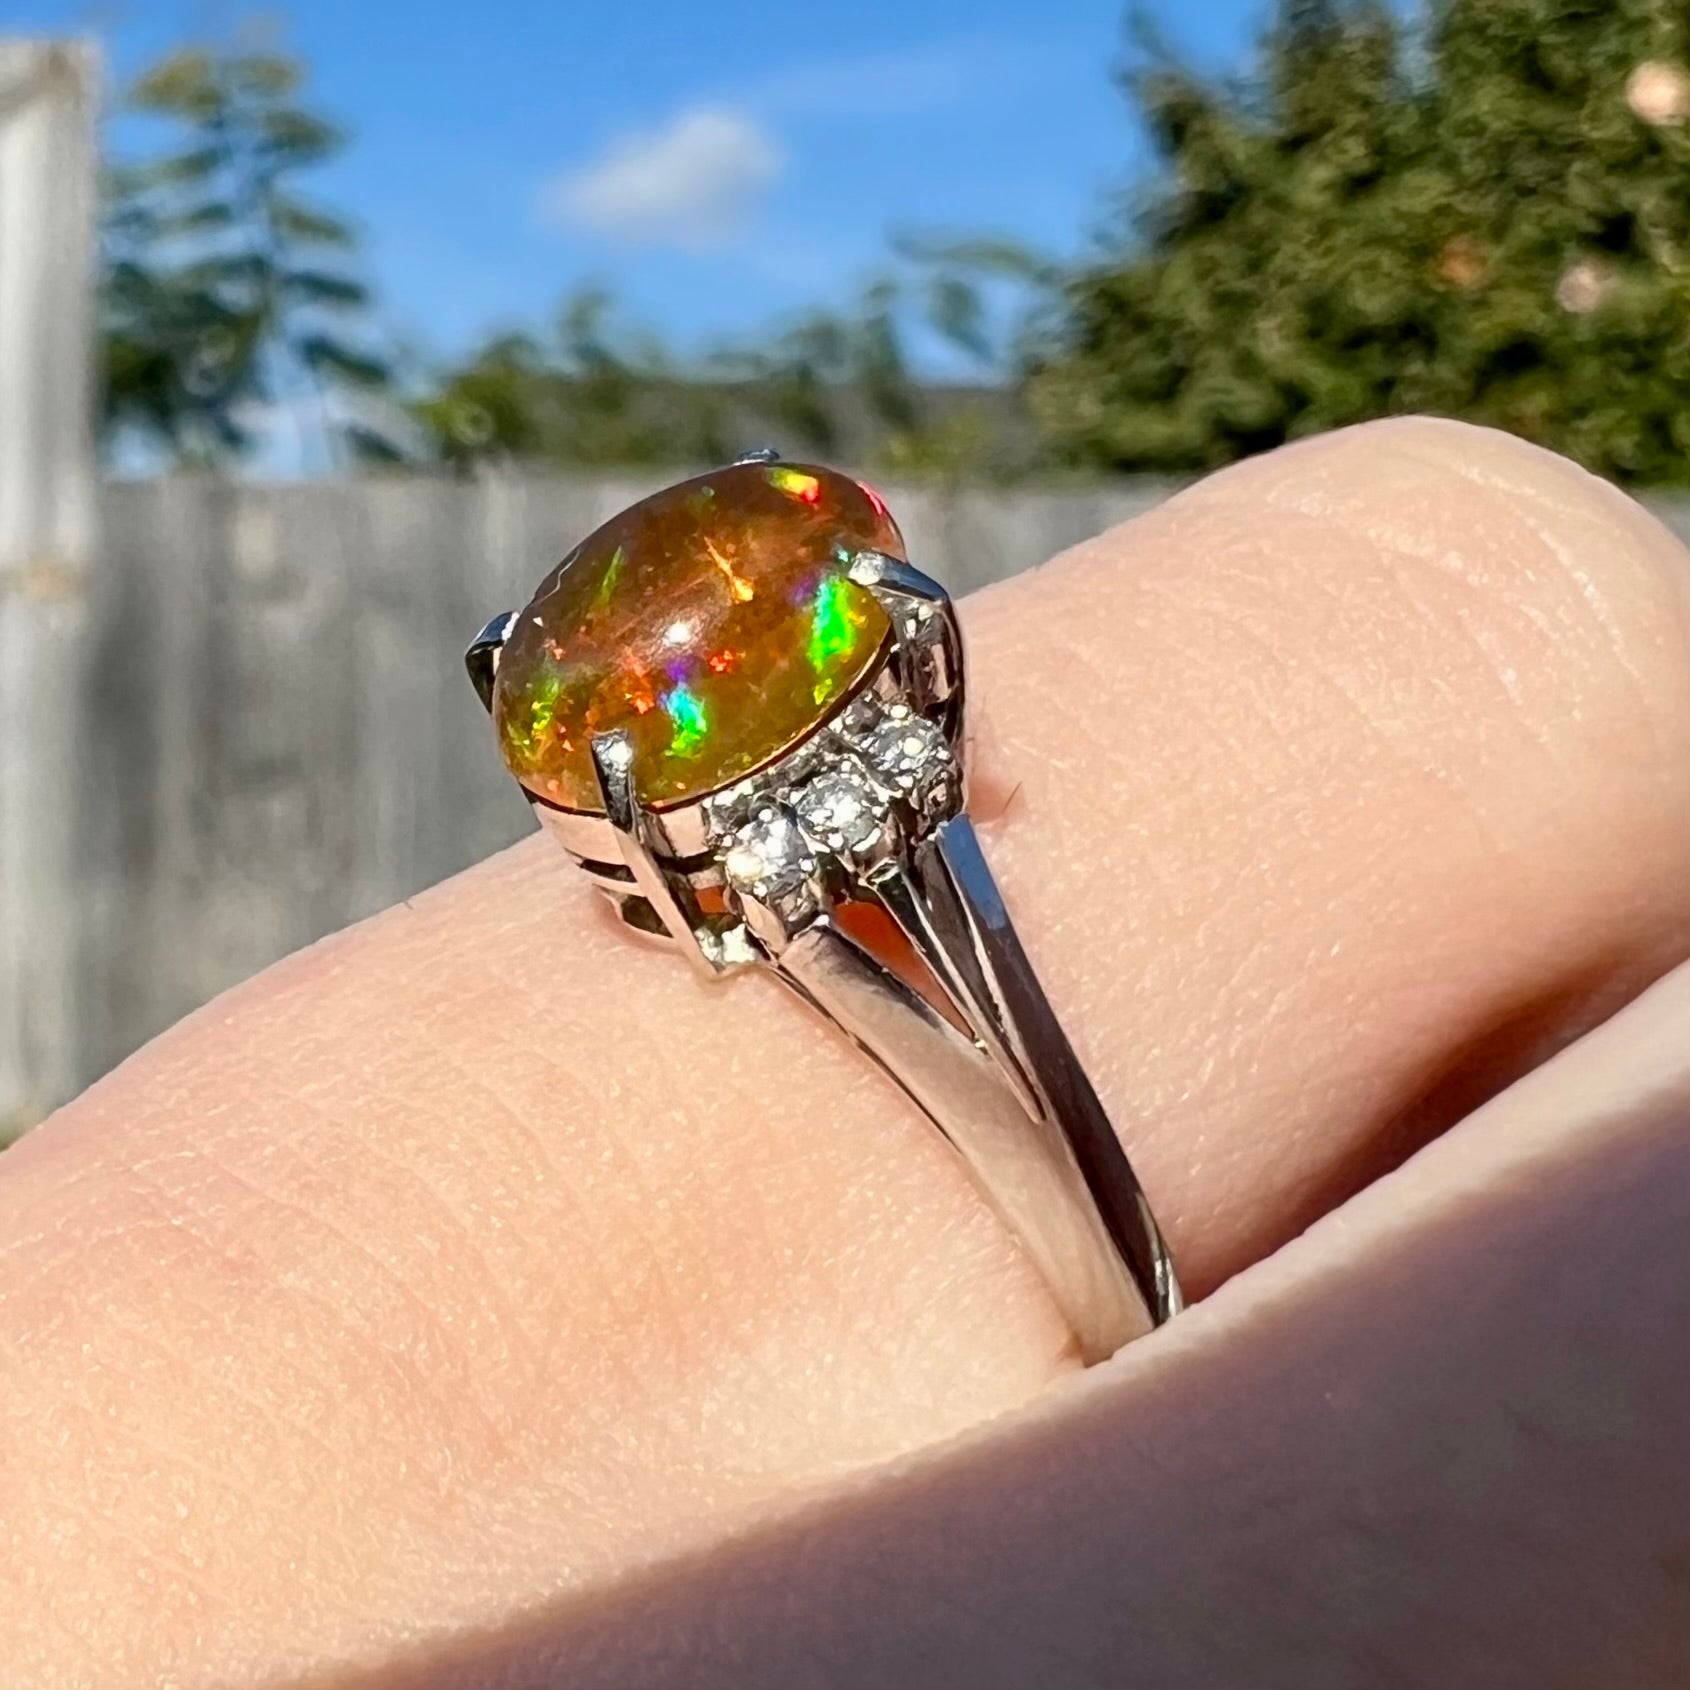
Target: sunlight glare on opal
pixel 742 590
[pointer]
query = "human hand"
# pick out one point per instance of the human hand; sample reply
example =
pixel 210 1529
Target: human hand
pixel 415 1315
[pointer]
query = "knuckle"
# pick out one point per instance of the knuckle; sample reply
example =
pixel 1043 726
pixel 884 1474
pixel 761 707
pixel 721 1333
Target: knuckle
pixel 1457 556
pixel 1556 573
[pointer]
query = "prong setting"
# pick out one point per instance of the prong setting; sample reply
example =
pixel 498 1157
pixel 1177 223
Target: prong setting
pixel 482 657
pixel 924 624
pixel 670 896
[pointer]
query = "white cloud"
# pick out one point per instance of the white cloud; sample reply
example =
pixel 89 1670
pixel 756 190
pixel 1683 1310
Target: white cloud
pixel 696 181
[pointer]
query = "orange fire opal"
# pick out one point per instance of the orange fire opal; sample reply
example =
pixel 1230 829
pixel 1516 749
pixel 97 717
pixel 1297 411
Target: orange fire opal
pixel 714 621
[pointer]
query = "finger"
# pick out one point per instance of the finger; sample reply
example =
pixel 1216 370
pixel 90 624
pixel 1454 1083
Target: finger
pixel 476 1252
pixel 1394 729
pixel 1477 1368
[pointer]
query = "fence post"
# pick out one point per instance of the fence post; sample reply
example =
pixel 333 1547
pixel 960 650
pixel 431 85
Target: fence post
pixel 48 94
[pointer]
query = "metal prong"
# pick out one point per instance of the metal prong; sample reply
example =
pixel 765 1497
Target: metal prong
pixel 482 658
pixel 671 900
pixel 924 620
pixel 759 455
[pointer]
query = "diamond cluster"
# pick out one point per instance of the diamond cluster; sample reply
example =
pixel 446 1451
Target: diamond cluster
pixel 841 810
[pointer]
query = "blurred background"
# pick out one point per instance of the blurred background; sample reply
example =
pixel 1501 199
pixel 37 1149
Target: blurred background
pixel 325 331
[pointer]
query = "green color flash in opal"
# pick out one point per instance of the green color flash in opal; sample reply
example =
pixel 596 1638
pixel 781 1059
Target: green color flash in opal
pixel 796 482
pixel 691 723
pixel 612 573
pixel 523 735
pixel 833 629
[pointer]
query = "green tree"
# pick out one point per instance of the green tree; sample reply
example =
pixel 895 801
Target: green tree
pixel 1487 216
pixel 850 376
pixel 591 393
pixel 227 290
pixel 1563 134
pixel 595 392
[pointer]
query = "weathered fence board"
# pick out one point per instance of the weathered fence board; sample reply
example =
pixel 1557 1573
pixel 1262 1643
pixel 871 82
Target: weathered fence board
pixel 47 96
pixel 279 738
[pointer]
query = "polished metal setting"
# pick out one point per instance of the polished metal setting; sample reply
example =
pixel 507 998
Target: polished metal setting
pixel 869 809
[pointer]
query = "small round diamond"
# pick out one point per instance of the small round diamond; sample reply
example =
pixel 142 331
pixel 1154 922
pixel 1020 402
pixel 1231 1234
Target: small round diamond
pixel 906 751
pixel 769 855
pixel 840 810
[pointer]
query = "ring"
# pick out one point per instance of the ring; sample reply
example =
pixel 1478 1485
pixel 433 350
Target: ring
pixel 740 709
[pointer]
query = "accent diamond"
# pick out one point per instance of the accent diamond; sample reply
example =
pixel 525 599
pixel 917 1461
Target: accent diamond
pixel 841 811
pixel 769 856
pixel 907 752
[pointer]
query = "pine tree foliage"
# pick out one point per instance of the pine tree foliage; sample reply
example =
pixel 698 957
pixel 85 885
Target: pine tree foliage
pixel 1487 215
pixel 227 292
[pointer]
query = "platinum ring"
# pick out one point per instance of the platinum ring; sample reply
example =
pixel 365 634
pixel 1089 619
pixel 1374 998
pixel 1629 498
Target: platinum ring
pixel 740 710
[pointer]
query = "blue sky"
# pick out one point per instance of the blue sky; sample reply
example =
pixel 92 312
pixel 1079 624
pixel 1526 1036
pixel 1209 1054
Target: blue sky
pixel 714 164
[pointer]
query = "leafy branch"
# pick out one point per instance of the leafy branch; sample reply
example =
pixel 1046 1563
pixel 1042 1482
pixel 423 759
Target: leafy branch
pixel 228 292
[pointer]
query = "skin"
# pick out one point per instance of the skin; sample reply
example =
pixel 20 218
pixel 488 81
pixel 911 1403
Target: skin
pixel 419 1286
pixel 1435 1441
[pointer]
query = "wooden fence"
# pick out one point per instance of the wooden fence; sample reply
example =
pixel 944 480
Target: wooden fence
pixel 275 732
